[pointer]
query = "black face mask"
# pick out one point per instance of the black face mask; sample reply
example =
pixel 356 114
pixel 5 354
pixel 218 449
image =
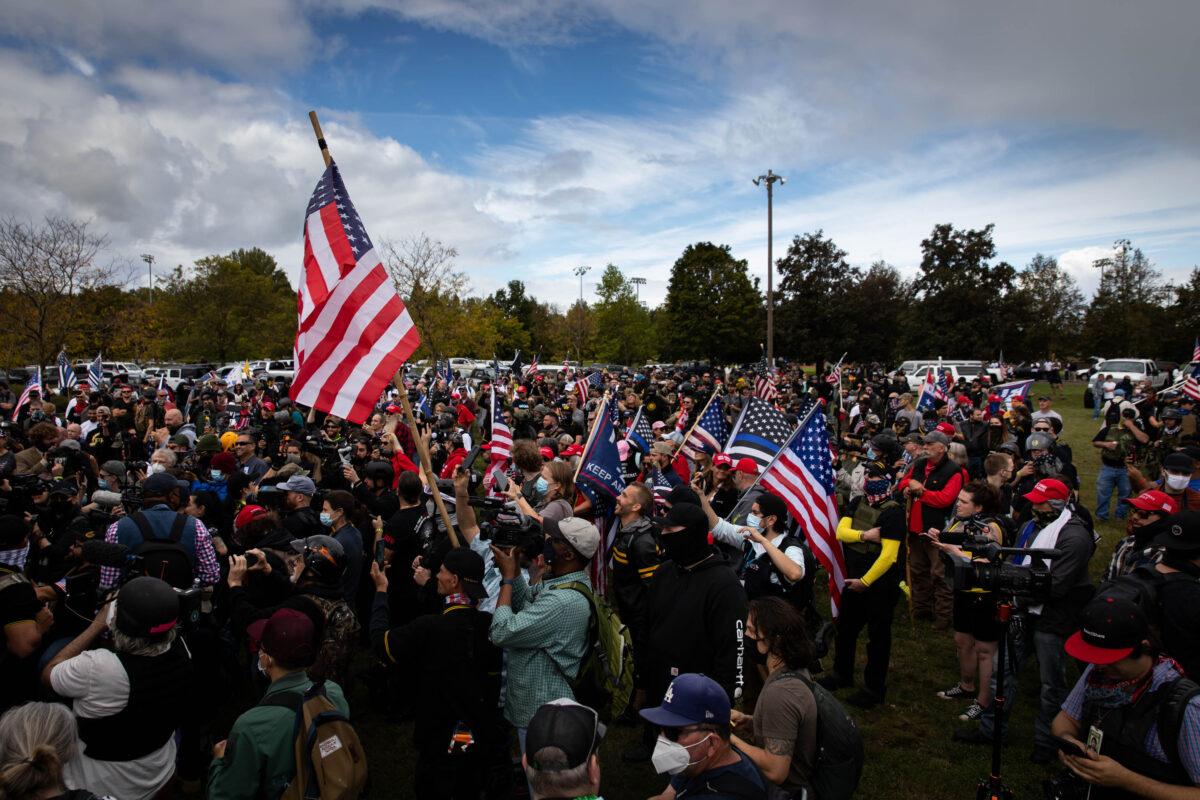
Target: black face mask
pixel 685 547
pixel 753 653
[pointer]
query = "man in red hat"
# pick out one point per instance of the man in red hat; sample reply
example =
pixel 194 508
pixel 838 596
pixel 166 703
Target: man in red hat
pixel 1041 627
pixel 1150 508
pixel 1134 722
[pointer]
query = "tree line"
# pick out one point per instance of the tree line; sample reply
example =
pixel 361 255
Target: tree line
pixel 59 293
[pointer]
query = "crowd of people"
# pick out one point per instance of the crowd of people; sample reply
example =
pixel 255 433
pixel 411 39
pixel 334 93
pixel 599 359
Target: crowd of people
pixel 185 577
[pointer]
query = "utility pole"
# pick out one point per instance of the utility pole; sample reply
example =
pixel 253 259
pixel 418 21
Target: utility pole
pixel 149 259
pixel 581 270
pixel 770 179
pixel 637 284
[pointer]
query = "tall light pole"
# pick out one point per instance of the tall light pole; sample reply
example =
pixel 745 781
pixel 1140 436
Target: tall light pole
pixel 581 270
pixel 149 259
pixel 770 179
pixel 637 284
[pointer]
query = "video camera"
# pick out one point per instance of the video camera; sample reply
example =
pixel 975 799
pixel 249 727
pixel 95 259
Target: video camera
pixel 108 554
pixel 988 570
pixel 511 528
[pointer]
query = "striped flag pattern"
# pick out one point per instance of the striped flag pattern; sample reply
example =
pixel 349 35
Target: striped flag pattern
pixel 66 375
pixel 640 434
pixel 501 434
pixel 96 372
pixel 758 434
pixel 1191 386
pixel 802 476
pixel 710 432
pixel 34 384
pixel 354 331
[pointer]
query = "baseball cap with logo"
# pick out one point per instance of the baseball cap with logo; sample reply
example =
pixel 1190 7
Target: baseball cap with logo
pixel 1182 534
pixel 722 460
pixel 1110 629
pixel 1154 500
pixel 247 515
pixel 946 428
pixel 691 699
pixel 1049 489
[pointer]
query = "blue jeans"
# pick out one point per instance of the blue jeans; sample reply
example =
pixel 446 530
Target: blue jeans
pixel 1097 402
pixel 1105 481
pixel 1052 673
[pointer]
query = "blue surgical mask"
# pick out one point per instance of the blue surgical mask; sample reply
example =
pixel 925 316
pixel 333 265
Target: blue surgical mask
pixel 870 454
pixel 327 519
pixel 754 521
pixel 216 474
pixel 542 485
pixel 102 484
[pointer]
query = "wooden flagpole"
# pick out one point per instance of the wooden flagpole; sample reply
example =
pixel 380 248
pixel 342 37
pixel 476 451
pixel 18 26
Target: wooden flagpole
pixel 398 381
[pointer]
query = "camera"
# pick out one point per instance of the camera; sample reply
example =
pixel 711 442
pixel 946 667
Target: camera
pixel 990 572
pixel 510 528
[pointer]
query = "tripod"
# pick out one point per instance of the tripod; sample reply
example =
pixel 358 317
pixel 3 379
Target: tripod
pixel 992 787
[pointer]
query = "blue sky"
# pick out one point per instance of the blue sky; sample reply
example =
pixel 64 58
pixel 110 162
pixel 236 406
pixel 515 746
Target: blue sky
pixel 535 137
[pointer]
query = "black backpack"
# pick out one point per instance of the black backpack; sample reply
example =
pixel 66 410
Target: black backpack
pixel 1179 693
pixel 165 559
pixel 840 756
pixel 1139 587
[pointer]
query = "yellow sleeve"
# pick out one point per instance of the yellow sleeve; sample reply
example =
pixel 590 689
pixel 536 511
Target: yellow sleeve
pixel 887 557
pixel 847 534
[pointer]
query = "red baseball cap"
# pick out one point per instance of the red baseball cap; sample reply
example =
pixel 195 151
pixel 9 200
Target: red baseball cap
pixel 1154 500
pixel 547 453
pixel 247 515
pixel 522 390
pixel 1049 489
pixel 1110 628
pixel 572 450
pixel 268 405
pixel 746 465
pixel 946 428
pixel 722 460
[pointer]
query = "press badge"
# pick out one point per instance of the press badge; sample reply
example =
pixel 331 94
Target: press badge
pixel 1095 739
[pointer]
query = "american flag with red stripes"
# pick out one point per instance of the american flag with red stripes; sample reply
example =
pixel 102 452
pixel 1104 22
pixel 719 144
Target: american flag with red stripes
pixel 764 387
pixel 834 378
pixel 354 331
pixel 802 476
pixel 501 434
pixel 34 384
pixel 1191 386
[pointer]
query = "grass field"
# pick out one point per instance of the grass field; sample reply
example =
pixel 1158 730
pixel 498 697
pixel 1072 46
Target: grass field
pixel 908 740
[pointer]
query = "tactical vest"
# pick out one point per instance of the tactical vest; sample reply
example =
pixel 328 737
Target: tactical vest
pixel 865 517
pixel 757 576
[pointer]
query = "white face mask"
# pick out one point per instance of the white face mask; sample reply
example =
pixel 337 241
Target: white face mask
pixel 1178 482
pixel 672 758
pixel 156 468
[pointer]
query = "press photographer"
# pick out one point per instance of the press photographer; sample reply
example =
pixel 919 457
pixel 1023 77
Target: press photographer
pixel 1131 725
pixel 1040 627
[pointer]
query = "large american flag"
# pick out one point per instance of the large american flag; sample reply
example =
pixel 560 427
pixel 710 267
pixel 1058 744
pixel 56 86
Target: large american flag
pixel 1191 386
pixel 802 476
pixel 709 433
pixel 764 387
pixel 758 434
pixel 354 331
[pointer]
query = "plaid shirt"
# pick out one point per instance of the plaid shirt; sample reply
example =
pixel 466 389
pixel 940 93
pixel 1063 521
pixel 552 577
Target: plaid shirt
pixel 206 568
pixel 544 634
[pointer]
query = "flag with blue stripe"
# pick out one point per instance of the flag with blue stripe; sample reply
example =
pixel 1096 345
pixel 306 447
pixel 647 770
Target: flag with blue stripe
pixel 758 434
pixel 640 434
pixel 96 372
pixel 66 375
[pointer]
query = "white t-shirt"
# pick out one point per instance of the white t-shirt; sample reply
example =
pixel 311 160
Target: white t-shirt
pixel 99 687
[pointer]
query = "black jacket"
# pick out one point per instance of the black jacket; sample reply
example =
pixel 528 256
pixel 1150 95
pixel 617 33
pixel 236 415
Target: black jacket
pixel 695 621
pixel 1070 585
pixel 635 559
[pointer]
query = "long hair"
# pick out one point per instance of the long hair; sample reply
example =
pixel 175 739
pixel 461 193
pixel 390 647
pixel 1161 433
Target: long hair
pixel 36 740
pixel 781 626
pixel 564 475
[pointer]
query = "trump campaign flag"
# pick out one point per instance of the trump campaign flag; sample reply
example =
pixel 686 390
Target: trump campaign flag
pixel 354 331
pixel 1007 391
pixel 600 476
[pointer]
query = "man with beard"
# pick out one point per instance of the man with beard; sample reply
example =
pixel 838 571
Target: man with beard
pixel 1137 549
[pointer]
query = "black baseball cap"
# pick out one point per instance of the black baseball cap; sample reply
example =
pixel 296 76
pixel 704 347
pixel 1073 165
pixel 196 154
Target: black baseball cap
pixel 1181 533
pixel 468 566
pixel 147 607
pixel 158 484
pixel 1110 630
pixel 566 726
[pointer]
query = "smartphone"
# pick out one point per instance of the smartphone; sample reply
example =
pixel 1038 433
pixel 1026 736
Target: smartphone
pixel 251 559
pixel 379 556
pixel 501 481
pixel 1069 747
pixel 469 461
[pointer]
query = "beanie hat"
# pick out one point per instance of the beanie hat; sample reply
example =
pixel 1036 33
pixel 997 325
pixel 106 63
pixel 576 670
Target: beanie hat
pixel 224 462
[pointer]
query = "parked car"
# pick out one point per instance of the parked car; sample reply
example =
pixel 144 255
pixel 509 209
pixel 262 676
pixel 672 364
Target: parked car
pixel 1085 373
pixel 1136 369
pixel 966 371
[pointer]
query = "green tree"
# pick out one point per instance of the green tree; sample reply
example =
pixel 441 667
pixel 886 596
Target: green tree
pixel 812 318
pixel 519 308
pixel 964 305
pixel 1050 307
pixel 234 306
pixel 1184 313
pixel 1126 314
pixel 622 325
pixel 873 314
pixel 712 309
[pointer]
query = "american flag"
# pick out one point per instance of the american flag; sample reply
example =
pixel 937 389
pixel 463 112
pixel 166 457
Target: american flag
pixel 802 476
pixel 758 434
pixel 501 434
pixel 34 384
pixel 764 387
pixel 584 386
pixel 96 372
pixel 66 375
pixel 928 399
pixel 944 389
pixel 834 378
pixel 531 370
pixel 1191 386
pixel 709 433
pixel 640 434
pixel 614 416
pixel 659 487
pixel 354 329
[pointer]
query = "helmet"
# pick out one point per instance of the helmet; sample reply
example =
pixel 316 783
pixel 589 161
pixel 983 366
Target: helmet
pixel 324 558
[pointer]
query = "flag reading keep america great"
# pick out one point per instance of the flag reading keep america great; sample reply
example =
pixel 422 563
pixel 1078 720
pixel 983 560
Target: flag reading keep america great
pixel 354 331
